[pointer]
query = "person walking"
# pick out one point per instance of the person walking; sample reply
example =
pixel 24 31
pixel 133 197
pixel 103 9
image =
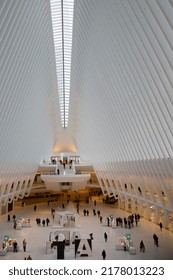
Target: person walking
pixel 24 245
pixel 29 258
pixel 161 225
pixel 157 241
pixel 98 213
pixel 104 254
pixel 154 238
pixel 15 246
pixel 105 237
pixel 77 207
pixel 142 246
pixel 47 221
pixel 15 224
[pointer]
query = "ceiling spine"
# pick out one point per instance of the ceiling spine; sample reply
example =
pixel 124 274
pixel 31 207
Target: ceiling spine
pixel 62 23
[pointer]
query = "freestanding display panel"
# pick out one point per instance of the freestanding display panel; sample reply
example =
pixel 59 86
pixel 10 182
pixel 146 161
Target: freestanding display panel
pixel 60 248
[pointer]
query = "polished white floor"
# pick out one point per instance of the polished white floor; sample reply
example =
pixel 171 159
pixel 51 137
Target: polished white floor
pixel 37 237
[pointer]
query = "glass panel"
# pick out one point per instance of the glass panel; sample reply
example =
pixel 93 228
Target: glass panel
pixel 62 23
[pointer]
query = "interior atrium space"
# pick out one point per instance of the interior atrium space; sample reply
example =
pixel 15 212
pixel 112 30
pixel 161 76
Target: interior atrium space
pixel 86 121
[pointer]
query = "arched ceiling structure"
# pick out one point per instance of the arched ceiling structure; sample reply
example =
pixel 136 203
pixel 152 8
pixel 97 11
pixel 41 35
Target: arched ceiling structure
pixel 121 98
pixel 122 91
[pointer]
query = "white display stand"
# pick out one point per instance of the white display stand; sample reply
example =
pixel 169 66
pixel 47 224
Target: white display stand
pixel 83 243
pixel 3 251
pixel 114 224
pixel 132 250
pixel 63 235
pixel 121 243
pixel 127 245
pixel 25 222
pixel 49 250
pixel 66 218
pixel 19 225
pixel 8 247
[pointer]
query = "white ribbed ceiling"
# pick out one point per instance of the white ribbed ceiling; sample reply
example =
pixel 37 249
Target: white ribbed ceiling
pixel 121 97
pixel 122 93
pixel 122 79
pixel 28 91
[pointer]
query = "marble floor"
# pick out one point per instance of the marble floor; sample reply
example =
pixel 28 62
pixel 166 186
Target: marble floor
pixel 37 237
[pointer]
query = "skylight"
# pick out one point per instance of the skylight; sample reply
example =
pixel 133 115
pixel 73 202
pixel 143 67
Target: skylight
pixel 62 23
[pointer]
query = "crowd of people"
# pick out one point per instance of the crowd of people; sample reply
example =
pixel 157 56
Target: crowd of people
pixel 42 222
pixel 126 222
